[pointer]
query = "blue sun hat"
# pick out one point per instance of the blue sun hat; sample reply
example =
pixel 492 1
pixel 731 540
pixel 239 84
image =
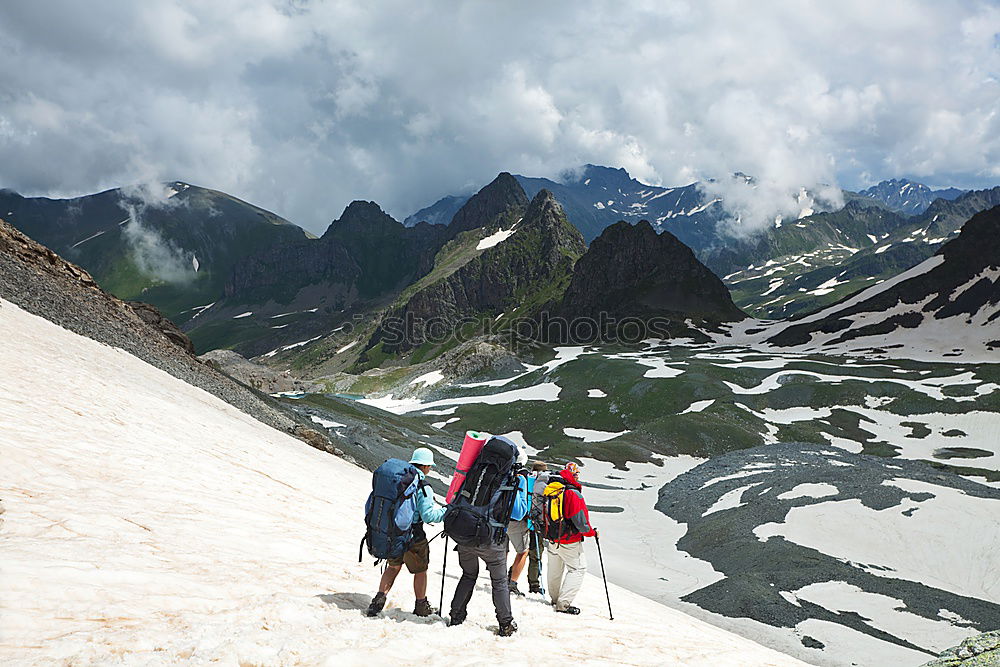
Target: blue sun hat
pixel 422 457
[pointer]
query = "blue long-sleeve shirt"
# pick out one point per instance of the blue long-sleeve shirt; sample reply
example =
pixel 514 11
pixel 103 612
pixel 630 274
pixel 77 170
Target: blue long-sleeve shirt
pixel 427 509
pixel 521 503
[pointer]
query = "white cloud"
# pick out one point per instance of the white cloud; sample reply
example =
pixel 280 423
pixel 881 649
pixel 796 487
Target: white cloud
pixel 302 107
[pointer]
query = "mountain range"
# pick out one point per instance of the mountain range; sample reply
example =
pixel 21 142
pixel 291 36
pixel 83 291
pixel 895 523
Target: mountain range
pixel 905 196
pixel 235 276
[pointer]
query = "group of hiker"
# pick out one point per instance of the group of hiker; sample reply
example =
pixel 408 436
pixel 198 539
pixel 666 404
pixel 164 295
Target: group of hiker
pixel 496 505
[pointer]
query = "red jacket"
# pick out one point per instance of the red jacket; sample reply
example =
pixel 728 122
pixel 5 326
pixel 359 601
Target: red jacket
pixel 574 511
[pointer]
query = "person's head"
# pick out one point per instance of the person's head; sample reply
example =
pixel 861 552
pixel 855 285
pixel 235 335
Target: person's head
pixel 573 469
pixel 539 466
pixel 423 459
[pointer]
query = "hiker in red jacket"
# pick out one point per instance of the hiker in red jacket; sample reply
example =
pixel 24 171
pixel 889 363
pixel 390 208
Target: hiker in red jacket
pixel 567 564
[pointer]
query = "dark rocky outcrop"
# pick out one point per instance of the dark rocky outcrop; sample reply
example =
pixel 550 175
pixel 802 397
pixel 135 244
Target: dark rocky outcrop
pixel 632 273
pixel 501 201
pixel 359 265
pixel 316 439
pixel 528 269
pixel 149 314
pixel 262 378
pixel 365 253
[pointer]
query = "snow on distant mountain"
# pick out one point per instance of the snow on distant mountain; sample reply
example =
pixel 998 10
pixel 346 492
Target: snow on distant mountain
pixel 949 305
pixel 908 197
pixel 821 259
pixel 595 197
pixel 148 521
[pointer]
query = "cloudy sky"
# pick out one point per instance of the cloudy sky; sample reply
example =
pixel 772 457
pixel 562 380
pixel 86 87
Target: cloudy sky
pixel 302 106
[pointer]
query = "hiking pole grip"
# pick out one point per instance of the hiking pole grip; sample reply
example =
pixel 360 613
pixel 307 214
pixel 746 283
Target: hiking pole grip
pixel 443 567
pixel 600 557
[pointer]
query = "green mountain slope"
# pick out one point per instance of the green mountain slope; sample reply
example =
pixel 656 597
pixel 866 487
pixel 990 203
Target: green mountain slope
pixel 173 247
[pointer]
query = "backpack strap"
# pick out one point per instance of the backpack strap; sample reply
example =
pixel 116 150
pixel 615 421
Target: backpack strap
pixel 500 517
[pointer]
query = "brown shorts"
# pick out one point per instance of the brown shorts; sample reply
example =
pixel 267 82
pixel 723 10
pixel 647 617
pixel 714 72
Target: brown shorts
pixel 417 558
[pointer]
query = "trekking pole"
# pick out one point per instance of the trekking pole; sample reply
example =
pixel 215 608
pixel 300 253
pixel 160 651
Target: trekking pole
pixel 443 567
pixel 601 558
pixel 541 569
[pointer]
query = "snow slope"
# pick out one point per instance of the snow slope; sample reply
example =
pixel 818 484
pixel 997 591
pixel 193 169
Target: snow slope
pixel 148 522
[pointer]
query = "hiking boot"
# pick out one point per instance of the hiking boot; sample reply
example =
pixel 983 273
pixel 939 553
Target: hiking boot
pixel 378 602
pixel 423 608
pixel 534 588
pixel 456 619
pixel 569 610
pixel 512 585
pixel 507 629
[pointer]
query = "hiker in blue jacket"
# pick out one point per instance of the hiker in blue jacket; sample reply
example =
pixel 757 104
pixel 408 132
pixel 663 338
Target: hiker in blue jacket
pixel 495 557
pixel 418 556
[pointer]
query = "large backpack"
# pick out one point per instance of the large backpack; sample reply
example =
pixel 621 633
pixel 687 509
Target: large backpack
pixel 554 522
pixel 390 510
pixel 479 512
pixel 536 510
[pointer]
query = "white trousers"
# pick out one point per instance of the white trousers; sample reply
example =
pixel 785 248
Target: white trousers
pixel 566 568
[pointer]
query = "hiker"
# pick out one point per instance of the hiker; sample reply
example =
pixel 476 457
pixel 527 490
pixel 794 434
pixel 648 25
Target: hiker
pixel 477 521
pixel 517 530
pixel 536 541
pixel 568 522
pixel 417 555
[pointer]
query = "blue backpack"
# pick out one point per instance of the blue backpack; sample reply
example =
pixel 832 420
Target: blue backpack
pixel 390 510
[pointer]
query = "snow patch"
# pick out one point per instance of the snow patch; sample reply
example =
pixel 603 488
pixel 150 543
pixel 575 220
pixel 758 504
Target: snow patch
pixel 590 435
pixel 496 238
pixel 326 423
pixel 810 490
pixel 428 379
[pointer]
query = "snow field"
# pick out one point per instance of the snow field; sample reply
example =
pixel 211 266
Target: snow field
pixel 150 523
pixel 916 550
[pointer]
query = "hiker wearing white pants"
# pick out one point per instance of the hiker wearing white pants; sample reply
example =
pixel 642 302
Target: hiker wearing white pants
pixel 567 524
pixel 567 565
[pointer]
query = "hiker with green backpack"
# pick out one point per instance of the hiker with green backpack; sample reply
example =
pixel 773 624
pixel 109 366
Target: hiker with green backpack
pixel 401 502
pixel 536 540
pixel 524 539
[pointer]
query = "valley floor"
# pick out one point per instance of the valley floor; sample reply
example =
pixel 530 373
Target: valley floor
pixel 148 522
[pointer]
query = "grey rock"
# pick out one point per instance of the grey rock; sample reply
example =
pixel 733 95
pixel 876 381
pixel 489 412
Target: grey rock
pixel 262 378
pixel 981 650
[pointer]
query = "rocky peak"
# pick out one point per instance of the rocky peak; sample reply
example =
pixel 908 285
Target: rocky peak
pixel 594 175
pixel 545 214
pixel 360 216
pixel 631 271
pixel 502 201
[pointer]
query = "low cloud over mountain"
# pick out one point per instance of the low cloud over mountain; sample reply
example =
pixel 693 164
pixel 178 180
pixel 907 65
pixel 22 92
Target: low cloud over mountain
pixel 303 107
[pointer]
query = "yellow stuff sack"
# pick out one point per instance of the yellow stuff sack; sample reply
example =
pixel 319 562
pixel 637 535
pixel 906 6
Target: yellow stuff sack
pixel 553 494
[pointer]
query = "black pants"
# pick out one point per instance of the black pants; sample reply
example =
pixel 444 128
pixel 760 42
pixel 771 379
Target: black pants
pixel 495 557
